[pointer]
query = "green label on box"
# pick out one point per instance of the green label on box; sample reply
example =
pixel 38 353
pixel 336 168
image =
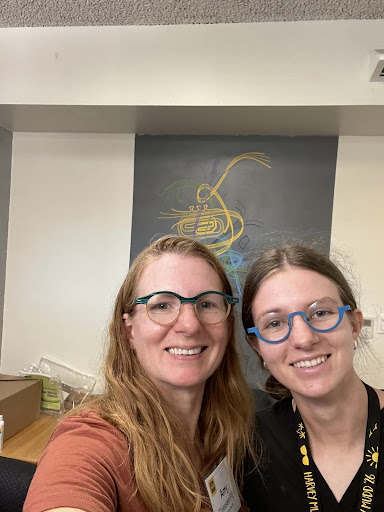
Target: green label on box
pixel 50 392
pixel 52 406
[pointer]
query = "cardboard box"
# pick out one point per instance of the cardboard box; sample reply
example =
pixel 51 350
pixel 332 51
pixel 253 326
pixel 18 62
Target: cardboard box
pixel 19 403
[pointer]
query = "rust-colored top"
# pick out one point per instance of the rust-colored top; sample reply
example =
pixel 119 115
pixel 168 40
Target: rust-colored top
pixel 85 465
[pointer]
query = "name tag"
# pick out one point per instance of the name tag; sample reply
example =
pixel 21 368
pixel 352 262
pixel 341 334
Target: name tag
pixel 222 489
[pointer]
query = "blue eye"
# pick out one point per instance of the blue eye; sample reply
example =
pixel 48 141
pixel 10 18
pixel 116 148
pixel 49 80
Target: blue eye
pixel 322 313
pixel 159 306
pixel 162 305
pixel 274 324
pixel 206 305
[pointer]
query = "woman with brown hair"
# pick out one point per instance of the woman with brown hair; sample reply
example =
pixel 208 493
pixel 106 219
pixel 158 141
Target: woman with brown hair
pixel 175 402
pixel 323 436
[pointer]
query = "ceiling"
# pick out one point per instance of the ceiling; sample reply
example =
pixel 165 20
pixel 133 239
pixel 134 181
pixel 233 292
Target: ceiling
pixel 43 13
pixel 306 120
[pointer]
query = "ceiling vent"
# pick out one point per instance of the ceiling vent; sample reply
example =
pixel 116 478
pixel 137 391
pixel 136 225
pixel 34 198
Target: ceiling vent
pixel 377 67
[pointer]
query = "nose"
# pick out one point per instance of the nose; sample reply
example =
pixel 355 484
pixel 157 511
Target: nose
pixel 302 336
pixel 187 321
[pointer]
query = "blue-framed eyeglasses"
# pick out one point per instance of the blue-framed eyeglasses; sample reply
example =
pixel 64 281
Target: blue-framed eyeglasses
pixel 275 327
pixel 164 308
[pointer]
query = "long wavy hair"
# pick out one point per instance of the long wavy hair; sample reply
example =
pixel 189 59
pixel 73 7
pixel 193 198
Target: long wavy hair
pixel 295 255
pixel 163 457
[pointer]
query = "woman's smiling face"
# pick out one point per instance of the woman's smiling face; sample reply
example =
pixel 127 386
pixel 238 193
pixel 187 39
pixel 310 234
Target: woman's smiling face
pixel 308 363
pixel 187 276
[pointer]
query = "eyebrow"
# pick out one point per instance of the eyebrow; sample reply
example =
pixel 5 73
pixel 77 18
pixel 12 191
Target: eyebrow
pixel 280 310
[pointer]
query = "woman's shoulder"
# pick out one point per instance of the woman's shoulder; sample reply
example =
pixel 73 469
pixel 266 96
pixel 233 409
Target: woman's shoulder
pixel 86 418
pixel 280 409
pixel 84 439
pixel 84 465
pixel 381 399
pixel 86 430
pixel 380 394
pixel 275 424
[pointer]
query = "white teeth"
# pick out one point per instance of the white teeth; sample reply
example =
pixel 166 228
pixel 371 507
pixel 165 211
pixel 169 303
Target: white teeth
pixel 184 351
pixel 311 363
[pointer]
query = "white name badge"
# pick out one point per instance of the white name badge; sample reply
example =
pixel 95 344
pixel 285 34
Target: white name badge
pixel 222 489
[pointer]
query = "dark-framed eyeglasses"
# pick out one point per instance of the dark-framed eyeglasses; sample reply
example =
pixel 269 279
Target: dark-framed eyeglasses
pixel 164 308
pixel 275 327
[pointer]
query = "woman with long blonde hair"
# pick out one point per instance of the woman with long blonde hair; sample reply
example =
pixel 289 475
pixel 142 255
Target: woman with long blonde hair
pixel 175 402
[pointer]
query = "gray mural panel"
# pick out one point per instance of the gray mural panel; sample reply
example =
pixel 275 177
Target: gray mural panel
pixel 235 194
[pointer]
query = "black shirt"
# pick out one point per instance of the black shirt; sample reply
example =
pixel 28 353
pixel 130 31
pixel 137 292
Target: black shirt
pixel 278 484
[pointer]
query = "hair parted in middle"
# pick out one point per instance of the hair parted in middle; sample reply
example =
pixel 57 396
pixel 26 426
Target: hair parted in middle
pixel 274 260
pixel 166 477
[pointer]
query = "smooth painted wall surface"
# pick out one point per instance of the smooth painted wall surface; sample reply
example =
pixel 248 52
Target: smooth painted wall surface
pixel 357 234
pixel 69 241
pixel 317 62
pixel 68 245
pixel 5 184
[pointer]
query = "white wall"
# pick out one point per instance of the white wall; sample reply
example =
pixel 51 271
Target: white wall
pixel 68 245
pixel 357 232
pixel 287 63
pixel 69 241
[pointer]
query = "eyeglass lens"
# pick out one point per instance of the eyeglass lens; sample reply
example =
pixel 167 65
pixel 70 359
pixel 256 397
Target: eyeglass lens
pixel 210 308
pixel 322 315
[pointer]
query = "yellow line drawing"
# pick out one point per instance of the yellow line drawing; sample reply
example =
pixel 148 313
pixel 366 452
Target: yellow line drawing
pixel 372 456
pixel 372 431
pixel 305 459
pixel 202 221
